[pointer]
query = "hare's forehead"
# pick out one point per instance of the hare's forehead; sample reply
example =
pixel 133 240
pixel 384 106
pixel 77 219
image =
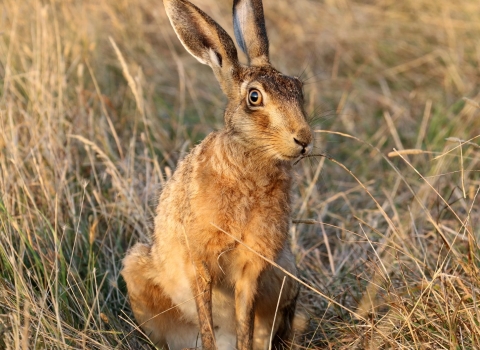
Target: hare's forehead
pixel 275 84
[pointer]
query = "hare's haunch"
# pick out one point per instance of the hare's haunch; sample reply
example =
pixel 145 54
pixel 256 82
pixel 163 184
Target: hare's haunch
pixel 195 285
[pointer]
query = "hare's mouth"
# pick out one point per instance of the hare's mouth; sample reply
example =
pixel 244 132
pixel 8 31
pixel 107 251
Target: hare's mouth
pixel 297 154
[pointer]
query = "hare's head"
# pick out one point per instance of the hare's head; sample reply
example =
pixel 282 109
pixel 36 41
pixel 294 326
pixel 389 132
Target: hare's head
pixel 265 108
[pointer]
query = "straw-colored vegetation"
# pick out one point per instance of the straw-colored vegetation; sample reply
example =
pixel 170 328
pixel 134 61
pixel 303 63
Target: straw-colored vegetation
pixel 99 101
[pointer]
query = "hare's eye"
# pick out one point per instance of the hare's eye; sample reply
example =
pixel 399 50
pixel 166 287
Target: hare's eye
pixel 254 97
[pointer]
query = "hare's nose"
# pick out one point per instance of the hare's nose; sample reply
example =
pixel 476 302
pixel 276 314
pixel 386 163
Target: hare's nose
pixel 303 139
pixel 302 144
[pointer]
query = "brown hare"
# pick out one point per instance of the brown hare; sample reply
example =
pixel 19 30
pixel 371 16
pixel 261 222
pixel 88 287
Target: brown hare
pixel 196 285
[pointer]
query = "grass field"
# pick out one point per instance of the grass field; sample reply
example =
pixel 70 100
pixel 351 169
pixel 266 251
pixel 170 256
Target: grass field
pixel 99 101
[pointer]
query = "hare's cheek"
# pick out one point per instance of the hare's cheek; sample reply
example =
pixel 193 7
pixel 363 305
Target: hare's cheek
pixel 263 122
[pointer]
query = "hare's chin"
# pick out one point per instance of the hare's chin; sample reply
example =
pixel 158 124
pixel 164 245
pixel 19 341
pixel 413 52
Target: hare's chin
pixel 288 157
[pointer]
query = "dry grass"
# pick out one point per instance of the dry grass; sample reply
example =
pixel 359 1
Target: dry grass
pixel 90 128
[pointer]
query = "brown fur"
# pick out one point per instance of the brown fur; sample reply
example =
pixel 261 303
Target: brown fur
pixel 238 179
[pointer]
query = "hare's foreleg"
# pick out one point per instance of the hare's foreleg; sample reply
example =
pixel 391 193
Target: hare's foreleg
pixel 274 300
pixel 202 289
pixel 281 331
pixel 245 291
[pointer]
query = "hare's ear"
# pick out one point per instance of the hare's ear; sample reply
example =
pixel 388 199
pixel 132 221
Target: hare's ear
pixel 204 39
pixel 250 31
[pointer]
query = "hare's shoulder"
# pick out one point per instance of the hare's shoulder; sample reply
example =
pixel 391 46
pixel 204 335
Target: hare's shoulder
pixel 195 158
pixel 178 189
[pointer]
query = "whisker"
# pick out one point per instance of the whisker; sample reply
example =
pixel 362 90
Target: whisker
pixel 313 76
pixel 303 71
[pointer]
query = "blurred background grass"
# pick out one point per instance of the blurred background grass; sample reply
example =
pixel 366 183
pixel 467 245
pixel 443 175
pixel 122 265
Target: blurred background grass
pixel 98 102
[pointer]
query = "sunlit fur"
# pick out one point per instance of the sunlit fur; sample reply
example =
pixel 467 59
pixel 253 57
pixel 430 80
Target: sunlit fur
pixel 196 285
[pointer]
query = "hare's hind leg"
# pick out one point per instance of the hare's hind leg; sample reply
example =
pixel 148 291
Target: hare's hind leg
pixel 154 311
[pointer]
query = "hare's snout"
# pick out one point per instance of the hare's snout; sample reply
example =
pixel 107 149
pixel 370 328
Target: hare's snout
pixel 303 140
pixel 304 146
